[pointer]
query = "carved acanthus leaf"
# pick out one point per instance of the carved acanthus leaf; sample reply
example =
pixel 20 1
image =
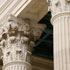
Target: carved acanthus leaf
pixel 59 6
pixel 19 36
pixel 37 30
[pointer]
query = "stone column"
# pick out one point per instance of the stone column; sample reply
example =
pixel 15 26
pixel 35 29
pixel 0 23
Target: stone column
pixel 60 10
pixel 17 39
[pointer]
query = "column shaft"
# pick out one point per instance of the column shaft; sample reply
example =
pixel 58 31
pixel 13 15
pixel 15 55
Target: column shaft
pixel 61 42
pixel 60 10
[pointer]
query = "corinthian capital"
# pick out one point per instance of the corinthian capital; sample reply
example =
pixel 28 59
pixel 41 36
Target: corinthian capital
pixel 17 39
pixel 59 6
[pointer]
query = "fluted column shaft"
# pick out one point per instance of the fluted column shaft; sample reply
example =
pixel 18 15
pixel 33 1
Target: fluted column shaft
pixel 60 10
pixel 61 34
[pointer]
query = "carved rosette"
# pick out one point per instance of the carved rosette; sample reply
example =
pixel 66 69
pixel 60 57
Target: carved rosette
pixel 16 41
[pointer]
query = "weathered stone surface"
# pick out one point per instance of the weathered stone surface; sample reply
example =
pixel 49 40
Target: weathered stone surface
pixel 39 63
pixel 16 42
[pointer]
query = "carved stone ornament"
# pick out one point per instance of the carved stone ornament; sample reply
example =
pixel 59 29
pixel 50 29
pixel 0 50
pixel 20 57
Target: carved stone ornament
pixel 59 6
pixel 17 40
